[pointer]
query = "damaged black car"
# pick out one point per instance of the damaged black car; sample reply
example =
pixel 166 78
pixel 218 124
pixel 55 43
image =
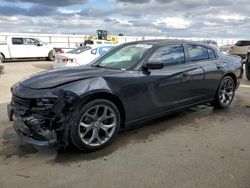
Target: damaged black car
pixel 133 83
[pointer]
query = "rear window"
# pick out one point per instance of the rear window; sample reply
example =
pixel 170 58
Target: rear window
pixel 211 54
pixel 197 53
pixel 243 43
pixel 17 41
pixel 79 50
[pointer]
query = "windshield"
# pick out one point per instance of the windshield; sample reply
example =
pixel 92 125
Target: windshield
pixel 79 50
pixel 124 58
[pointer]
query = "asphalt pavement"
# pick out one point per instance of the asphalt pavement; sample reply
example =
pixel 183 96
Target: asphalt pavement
pixel 197 148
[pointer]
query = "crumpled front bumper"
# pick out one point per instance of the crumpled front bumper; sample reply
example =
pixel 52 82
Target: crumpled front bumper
pixel 30 129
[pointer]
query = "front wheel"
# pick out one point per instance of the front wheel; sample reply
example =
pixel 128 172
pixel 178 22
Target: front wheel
pixel 96 125
pixel 225 93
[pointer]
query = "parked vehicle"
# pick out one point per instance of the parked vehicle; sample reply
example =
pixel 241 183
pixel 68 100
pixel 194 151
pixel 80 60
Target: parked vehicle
pixel 25 47
pixel 226 48
pixel 247 66
pixel 241 48
pixel 80 56
pixel 132 83
pixel 94 43
pixel 211 42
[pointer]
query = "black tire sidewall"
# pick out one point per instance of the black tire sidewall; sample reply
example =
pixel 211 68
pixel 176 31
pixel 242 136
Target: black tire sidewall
pixel 247 69
pixel 1 58
pixel 74 134
pixel 51 57
pixel 218 104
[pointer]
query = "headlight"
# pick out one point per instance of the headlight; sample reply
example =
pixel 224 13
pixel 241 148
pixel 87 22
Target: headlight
pixel 45 103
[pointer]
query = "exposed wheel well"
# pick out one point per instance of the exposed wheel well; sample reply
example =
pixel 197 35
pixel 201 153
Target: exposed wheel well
pixel 112 98
pixel 232 75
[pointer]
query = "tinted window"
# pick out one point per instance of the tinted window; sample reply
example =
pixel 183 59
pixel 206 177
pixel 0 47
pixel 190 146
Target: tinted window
pixel 211 54
pixel 17 41
pixel 197 53
pixel 243 43
pixel 169 55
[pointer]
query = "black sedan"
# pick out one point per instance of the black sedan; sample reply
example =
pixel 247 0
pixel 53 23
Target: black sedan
pixel 133 83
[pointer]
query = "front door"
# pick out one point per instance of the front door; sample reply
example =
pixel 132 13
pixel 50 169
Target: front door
pixel 171 87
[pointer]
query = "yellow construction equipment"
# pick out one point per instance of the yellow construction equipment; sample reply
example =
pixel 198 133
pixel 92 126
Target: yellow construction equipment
pixel 103 35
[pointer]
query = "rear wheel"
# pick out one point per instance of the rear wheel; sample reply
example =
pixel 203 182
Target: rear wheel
pixel 52 55
pixel 1 58
pixel 96 125
pixel 247 69
pixel 225 93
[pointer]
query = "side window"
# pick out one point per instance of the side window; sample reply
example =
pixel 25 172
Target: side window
pixel 103 50
pixel 17 41
pixel 169 55
pixel 31 41
pixel 211 54
pixel 197 53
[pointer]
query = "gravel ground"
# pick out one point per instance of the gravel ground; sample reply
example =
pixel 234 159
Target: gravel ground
pixel 200 147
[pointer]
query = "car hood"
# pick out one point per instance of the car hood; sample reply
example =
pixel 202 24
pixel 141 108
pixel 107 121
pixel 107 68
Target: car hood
pixel 54 78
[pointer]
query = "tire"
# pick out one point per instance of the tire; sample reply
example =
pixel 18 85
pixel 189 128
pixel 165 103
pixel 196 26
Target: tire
pixel 1 58
pixel 51 56
pixel 95 125
pixel 225 93
pixel 247 69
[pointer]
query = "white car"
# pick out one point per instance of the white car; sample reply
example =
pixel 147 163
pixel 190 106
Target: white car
pixel 25 47
pixel 241 48
pixel 80 56
pixel 94 43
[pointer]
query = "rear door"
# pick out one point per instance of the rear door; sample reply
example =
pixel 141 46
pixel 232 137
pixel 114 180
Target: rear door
pixel 205 58
pixel 18 48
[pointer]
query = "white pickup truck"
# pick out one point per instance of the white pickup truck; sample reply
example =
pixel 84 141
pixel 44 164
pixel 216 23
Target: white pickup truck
pixel 25 47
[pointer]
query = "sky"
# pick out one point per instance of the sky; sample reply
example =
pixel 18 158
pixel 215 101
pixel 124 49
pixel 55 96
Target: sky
pixel 173 18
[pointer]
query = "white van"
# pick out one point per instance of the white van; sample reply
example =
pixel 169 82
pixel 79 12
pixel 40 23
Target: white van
pixel 25 47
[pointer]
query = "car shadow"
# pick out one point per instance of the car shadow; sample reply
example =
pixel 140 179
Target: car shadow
pixel 141 133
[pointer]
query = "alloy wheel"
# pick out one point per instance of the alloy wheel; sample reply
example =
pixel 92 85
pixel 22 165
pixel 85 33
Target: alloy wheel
pixel 226 91
pixel 97 125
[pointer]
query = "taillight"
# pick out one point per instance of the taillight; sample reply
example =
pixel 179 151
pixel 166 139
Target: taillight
pixel 65 61
pixel 60 51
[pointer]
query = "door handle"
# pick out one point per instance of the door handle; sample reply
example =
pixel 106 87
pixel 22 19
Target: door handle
pixel 219 67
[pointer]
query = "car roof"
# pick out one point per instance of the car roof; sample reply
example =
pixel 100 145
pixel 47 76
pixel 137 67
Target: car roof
pixel 159 42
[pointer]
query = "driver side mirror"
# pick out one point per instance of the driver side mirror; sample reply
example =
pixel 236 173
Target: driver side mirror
pixel 154 65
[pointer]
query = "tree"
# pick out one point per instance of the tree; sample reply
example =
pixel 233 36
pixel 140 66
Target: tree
pixel 120 34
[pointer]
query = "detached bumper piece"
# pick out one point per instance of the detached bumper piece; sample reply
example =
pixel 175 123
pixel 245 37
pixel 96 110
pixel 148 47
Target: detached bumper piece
pixel 32 130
